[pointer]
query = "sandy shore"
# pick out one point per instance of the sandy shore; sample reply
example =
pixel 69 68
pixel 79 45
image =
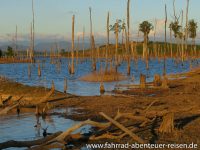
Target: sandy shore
pixel 14 60
pixel 183 93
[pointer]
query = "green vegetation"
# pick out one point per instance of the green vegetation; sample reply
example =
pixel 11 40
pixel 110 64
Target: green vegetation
pixel 145 27
pixel 9 52
pixel 1 53
pixel 175 27
pixel 62 52
pixel 119 25
pixel 193 30
pixel 139 48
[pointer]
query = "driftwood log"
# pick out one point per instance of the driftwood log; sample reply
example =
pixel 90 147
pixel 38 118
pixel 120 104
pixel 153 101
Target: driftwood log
pixel 45 98
pixel 1 101
pixel 17 102
pixel 134 136
pixel 68 133
pixel 9 108
pixel 116 128
pixel 13 143
pixel 7 100
pixel 62 136
pixel 167 126
pixel 111 136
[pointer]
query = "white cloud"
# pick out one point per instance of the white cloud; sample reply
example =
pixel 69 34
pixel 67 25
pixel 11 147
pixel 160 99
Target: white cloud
pixel 159 29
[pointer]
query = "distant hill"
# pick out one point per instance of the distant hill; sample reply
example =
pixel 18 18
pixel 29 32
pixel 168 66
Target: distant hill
pixel 44 45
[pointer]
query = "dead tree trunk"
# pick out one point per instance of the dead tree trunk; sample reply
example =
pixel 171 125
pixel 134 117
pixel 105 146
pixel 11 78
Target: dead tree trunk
pixel 33 31
pixel 164 67
pixel 72 51
pixel 116 44
pixel 108 40
pixel 128 37
pixel 186 28
pixel 83 42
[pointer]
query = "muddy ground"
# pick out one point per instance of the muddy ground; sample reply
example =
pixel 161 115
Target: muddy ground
pixel 183 93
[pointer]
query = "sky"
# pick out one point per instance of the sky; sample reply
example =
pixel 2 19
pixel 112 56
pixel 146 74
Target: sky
pixel 53 17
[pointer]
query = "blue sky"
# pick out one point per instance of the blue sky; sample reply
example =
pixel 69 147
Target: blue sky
pixel 53 17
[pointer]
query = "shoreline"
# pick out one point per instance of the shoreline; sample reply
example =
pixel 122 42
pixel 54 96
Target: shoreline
pixel 93 104
pixel 183 94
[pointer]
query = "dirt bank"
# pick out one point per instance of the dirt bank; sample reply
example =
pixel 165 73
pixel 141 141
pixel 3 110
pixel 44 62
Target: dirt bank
pixel 105 76
pixel 184 93
pixel 14 60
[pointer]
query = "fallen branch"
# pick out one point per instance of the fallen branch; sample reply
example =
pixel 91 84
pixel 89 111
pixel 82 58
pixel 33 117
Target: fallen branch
pixel 13 143
pixel 131 116
pixel 134 136
pixel 8 108
pixel 7 100
pixel 145 111
pixel 62 136
pixel 45 98
pixel 111 136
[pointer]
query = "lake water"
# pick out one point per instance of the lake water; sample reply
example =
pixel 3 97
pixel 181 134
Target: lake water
pixel 19 73
pixel 21 128
pixel 13 127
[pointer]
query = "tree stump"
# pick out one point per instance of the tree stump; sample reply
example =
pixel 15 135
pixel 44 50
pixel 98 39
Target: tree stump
pixel 69 69
pixel 128 70
pixel 39 70
pixel 128 67
pixel 167 125
pixel 102 89
pixel 37 110
pixel 94 66
pixel 157 80
pixel 1 101
pixel 165 83
pixel 142 81
pixel 65 85
pixel 52 85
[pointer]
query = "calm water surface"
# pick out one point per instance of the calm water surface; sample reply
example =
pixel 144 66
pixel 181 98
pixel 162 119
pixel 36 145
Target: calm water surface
pixel 13 127
pixel 19 73
pixel 22 127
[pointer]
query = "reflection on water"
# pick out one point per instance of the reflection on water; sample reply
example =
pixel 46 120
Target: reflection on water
pixel 19 73
pixel 29 127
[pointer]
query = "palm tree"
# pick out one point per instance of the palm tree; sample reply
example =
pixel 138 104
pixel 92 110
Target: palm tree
pixel 145 27
pixel 117 28
pixel 118 25
pixel 193 32
pixel 176 28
